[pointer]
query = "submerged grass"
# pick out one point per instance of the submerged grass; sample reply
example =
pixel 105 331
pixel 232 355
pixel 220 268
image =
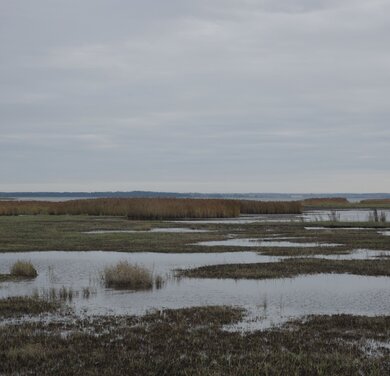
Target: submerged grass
pixel 192 342
pixel 290 268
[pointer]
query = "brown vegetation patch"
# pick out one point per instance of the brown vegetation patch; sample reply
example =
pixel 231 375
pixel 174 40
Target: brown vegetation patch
pixel 150 208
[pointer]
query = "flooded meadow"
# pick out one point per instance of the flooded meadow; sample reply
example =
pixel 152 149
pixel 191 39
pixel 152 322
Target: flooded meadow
pixel 269 272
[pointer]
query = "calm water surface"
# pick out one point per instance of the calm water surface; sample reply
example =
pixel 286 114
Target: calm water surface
pixel 268 301
pixel 356 215
pixel 181 230
pixel 247 242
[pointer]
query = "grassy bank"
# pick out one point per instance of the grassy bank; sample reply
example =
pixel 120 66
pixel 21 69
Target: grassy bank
pixel 291 268
pixel 192 342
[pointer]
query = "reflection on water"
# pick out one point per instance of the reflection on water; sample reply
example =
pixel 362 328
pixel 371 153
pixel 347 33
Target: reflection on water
pixel 270 301
pixel 263 243
pixel 386 233
pixel 356 215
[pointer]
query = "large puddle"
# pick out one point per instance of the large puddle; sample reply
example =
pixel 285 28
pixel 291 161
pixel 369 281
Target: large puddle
pixel 356 215
pixel 357 254
pixel 340 228
pixel 247 242
pixel 181 230
pixel 267 301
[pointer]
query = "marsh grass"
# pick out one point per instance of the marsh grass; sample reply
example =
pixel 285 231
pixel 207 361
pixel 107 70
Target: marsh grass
pixel 290 268
pixel 134 208
pixel 16 306
pixel 124 275
pixel 270 207
pixel 343 203
pixel 150 208
pixel 326 201
pixel 192 341
pixel 23 269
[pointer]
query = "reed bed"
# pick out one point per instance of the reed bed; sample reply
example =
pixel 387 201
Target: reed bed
pixel 150 208
pixel 270 207
pixel 23 269
pixel 134 208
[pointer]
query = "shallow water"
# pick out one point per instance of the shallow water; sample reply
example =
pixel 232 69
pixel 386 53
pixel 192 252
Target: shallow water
pixel 263 243
pixel 357 254
pixel 158 229
pixel 355 215
pixel 268 301
pixel 339 228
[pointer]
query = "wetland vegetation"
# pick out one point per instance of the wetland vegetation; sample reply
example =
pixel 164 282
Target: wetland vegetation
pixel 23 269
pixel 193 341
pixel 17 306
pixel 20 270
pixel 129 276
pixel 290 268
pixel 290 289
pixel 150 208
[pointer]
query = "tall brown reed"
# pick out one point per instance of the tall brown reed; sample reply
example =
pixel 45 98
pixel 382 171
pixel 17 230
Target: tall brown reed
pixel 270 207
pixel 136 208
pixel 150 208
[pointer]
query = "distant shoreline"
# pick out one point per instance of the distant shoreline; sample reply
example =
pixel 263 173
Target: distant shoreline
pixel 353 197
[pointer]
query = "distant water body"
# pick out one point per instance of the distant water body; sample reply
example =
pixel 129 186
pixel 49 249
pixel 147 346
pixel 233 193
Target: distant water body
pixel 55 197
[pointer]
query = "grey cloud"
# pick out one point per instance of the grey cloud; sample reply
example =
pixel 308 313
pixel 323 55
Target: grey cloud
pixel 186 95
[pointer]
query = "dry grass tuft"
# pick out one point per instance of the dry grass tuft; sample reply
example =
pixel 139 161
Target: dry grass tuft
pixel 128 276
pixel 23 269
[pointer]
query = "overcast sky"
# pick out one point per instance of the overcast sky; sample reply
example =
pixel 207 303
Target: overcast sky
pixel 195 95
